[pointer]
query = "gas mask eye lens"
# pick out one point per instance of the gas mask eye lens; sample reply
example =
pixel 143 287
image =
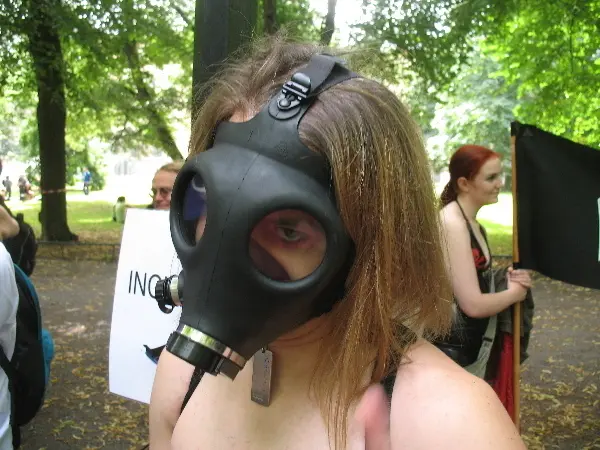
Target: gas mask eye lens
pixel 194 210
pixel 287 245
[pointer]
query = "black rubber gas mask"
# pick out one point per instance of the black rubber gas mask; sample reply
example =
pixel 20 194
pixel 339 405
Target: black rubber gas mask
pixel 255 225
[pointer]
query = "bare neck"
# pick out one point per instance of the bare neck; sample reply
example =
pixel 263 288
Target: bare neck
pixel 469 207
pixel 295 355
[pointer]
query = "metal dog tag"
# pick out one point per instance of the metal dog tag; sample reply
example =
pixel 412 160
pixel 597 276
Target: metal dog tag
pixel 261 377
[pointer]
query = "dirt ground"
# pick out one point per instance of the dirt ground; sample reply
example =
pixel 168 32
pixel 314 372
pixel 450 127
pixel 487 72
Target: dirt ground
pixel 560 399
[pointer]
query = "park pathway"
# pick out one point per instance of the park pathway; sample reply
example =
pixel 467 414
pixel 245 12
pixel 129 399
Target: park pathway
pixel 560 398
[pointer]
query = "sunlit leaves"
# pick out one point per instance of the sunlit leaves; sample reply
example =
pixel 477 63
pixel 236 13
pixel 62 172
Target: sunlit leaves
pixel 477 107
pixel 432 35
pixel 296 16
pixel 547 56
pixel 101 92
pixel 550 49
pixel 107 85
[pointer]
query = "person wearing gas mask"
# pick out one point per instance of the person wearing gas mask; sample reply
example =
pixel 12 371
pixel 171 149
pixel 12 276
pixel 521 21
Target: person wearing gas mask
pixel 306 227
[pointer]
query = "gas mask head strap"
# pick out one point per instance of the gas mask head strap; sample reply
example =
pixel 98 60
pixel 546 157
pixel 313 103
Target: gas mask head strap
pixel 280 140
pixel 322 72
pixel 297 95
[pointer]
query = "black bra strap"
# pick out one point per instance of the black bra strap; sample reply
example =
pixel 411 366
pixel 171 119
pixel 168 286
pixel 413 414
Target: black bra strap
pixel 473 233
pixel 463 213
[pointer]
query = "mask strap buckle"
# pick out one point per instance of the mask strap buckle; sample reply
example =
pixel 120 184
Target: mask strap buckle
pixel 294 92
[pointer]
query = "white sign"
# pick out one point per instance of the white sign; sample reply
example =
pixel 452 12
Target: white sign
pixel 147 255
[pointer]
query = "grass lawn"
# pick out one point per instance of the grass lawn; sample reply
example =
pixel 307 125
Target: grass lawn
pixel 91 218
pixel 497 220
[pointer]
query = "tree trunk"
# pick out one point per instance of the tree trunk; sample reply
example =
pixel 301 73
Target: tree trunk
pixel 221 27
pixel 270 16
pixel 46 53
pixel 146 97
pixel 328 26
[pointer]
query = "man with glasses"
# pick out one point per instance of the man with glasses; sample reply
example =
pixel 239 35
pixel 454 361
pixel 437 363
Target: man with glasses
pixel 162 185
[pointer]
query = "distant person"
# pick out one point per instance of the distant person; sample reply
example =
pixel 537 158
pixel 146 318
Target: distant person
pixel 23 185
pixel 119 210
pixel 7 183
pixel 9 300
pixel 162 185
pixel 87 180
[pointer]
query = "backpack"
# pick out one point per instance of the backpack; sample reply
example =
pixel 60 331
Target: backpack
pixel 22 247
pixel 28 370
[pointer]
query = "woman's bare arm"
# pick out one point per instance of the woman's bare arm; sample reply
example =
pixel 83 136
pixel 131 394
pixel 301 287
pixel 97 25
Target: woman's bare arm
pixel 8 226
pixel 459 259
pixel 170 386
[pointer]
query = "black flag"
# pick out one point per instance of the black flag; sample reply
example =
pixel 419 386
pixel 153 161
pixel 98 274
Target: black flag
pixel 558 206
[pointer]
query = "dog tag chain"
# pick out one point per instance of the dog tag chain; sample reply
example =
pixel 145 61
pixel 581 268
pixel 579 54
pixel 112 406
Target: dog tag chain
pixel 262 370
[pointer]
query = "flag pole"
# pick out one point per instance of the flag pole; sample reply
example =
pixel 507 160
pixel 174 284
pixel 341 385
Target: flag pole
pixel 517 306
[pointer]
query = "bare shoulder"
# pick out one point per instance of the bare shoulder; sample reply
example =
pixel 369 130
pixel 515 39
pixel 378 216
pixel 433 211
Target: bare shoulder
pixel 452 220
pixel 437 404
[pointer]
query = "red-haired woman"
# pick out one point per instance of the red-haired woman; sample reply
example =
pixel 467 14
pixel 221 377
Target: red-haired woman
pixel 475 181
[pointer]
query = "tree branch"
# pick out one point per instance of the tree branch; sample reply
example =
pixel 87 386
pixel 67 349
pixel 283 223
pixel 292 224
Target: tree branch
pixel 146 97
pixel 270 16
pixel 183 15
pixel 329 23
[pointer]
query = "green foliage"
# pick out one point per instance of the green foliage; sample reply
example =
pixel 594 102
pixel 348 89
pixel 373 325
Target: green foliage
pixel 488 61
pixel 551 50
pixel 430 36
pixel 476 108
pixel 76 161
pixel 110 97
pixel 295 16
pixel 113 90
pixel 112 51
pixel 9 141
pixel 466 68
pixel 78 156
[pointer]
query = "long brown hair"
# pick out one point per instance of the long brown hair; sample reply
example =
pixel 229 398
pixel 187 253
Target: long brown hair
pixel 397 288
pixel 465 162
